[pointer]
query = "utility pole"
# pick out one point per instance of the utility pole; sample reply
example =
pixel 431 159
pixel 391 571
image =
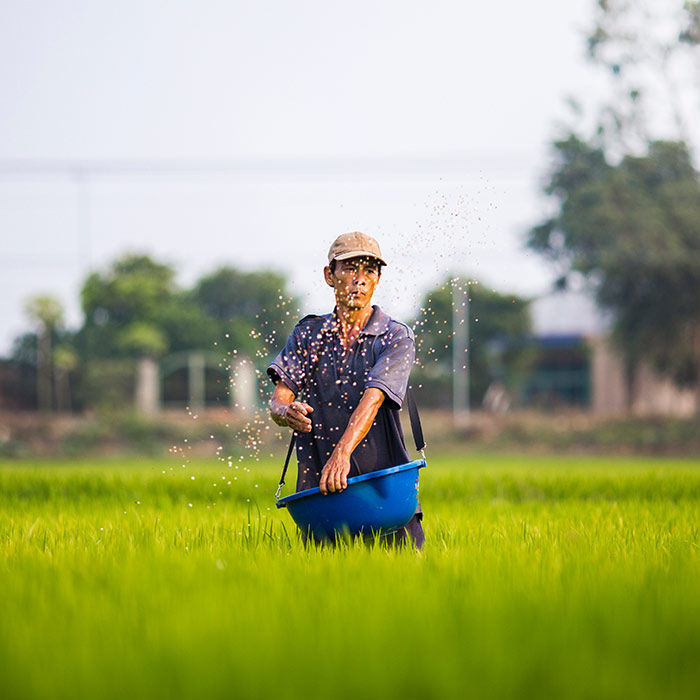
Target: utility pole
pixel 460 354
pixel 195 370
pixel 81 178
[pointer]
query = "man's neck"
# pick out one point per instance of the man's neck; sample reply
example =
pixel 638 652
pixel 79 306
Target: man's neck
pixel 351 322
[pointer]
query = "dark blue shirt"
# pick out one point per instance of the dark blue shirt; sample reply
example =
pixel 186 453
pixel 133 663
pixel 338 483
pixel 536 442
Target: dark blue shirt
pixel 321 372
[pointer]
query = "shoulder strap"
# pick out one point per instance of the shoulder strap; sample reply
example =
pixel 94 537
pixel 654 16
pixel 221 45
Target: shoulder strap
pixel 286 465
pixel 416 429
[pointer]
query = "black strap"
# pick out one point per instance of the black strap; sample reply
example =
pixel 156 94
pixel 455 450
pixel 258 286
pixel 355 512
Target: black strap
pixel 416 429
pixel 286 463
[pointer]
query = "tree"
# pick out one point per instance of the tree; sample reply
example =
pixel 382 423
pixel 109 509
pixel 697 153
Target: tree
pixel 632 230
pixel 135 310
pixel 134 290
pixel 133 313
pixel 134 300
pixel 248 307
pixel 65 362
pixel 628 196
pixel 143 339
pixel 499 325
pixel 649 50
pixel 47 313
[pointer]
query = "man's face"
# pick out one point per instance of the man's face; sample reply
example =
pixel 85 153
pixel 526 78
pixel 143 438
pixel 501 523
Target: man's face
pixel 354 281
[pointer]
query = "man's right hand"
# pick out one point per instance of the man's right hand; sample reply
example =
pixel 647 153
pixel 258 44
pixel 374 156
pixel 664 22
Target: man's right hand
pixel 284 410
pixel 296 417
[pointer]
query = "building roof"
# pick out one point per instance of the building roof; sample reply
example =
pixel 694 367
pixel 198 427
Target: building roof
pixel 567 313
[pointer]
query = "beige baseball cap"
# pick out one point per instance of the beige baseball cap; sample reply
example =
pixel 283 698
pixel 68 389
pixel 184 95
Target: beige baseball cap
pixel 354 245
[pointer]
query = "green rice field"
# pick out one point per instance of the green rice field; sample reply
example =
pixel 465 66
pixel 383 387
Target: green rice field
pixel 542 577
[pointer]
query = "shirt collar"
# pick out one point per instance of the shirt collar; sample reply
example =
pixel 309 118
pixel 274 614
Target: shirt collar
pixel 378 322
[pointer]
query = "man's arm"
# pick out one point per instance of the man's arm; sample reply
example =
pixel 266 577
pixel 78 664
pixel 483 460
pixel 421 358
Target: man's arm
pixel 334 476
pixel 284 410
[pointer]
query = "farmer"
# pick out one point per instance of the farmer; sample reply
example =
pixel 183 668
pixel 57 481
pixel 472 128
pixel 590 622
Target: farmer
pixel 341 379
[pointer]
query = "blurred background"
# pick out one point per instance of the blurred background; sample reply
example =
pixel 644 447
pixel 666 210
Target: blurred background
pixel 172 175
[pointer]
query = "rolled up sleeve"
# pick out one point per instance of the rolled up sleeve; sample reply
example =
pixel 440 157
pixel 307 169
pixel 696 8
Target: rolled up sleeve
pixel 290 365
pixel 392 367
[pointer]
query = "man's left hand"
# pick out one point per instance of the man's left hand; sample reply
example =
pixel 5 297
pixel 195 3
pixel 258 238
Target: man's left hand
pixel 334 476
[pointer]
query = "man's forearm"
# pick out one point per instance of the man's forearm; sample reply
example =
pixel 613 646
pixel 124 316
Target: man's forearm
pixel 334 476
pixel 285 411
pixel 280 399
pixel 360 421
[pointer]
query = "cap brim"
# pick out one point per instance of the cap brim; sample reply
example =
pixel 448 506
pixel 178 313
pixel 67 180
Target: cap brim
pixel 358 254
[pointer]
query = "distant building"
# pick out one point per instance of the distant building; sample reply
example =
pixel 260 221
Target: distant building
pixel 17 386
pixel 561 372
pixel 646 393
pixel 577 366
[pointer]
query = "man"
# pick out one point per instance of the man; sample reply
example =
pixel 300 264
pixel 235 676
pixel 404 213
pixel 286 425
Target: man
pixel 351 369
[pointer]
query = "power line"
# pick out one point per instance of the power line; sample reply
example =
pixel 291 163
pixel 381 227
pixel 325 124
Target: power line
pixel 399 167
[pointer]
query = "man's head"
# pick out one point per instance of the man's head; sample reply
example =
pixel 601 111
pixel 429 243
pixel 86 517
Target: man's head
pixel 354 268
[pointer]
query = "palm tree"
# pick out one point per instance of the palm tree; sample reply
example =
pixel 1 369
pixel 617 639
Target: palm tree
pixel 65 361
pixel 47 313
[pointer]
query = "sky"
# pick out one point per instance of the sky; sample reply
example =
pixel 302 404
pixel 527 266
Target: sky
pixel 253 133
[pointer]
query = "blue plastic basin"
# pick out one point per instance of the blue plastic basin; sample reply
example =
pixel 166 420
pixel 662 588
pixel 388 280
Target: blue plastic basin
pixel 381 501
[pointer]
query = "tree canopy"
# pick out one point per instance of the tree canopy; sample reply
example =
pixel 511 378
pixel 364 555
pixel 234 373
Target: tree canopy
pixel 627 197
pixel 249 306
pixel 47 312
pixel 135 307
pixel 134 293
pixel 499 325
pixel 649 51
pixel 632 230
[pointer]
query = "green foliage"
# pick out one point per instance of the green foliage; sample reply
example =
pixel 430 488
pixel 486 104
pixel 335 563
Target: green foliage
pixel 121 431
pixel 653 435
pixel 24 349
pixel 135 308
pixel 650 51
pixel 108 383
pixel 628 196
pixel 247 307
pixel 135 286
pixel 134 290
pixel 632 229
pixel 499 325
pixel 690 34
pixel 64 358
pixel 143 339
pixel 46 311
pixel 87 437
pixel 185 325
pixel 559 578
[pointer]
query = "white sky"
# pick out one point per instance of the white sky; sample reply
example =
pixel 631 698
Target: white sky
pixel 423 124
